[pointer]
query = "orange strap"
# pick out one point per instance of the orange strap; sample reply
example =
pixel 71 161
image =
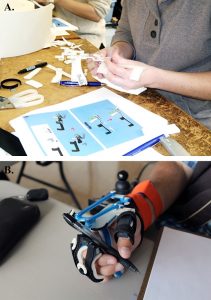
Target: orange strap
pixel 146 188
pixel 144 209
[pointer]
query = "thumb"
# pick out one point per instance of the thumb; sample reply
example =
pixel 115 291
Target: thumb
pixel 124 247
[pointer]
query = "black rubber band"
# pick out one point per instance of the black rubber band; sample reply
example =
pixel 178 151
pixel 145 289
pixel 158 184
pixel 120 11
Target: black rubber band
pixel 11 86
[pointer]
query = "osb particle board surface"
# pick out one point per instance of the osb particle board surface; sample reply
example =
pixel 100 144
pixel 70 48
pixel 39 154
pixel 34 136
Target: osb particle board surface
pixel 194 137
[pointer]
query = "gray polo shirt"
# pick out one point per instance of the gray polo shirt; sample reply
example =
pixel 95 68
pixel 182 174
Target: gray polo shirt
pixel 174 35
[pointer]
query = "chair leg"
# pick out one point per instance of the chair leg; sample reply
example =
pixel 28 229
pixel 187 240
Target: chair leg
pixel 21 172
pixel 69 190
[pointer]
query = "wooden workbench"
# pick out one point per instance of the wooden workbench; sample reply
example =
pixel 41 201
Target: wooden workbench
pixel 194 137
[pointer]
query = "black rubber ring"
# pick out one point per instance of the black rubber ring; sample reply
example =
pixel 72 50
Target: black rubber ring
pixel 12 86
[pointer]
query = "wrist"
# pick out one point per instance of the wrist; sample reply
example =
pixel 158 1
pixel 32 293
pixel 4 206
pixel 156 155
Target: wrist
pixel 147 201
pixel 152 77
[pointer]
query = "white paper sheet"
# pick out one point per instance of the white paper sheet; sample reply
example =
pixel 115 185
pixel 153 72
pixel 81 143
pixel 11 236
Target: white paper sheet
pixel 119 88
pixel 182 268
pixel 152 124
pixel 61 24
pixel 24 32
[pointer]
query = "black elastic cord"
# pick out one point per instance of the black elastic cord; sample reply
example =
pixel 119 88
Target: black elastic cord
pixel 11 86
pixel 137 179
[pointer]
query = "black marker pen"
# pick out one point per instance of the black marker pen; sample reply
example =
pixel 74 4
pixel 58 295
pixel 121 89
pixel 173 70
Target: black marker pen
pixel 40 65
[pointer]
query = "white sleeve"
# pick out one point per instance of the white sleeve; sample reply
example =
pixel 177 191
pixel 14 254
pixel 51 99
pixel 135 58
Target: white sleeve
pixel 101 6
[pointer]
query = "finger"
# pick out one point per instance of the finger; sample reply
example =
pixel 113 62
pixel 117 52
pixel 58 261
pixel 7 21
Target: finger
pixel 116 80
pixel 108 52
pixel 128 63
pixel 84 253
pixel 124 77
pixel 100 76
pixel 92 65
pixel 109 270
pixel 134 69
pixel 124 83
pixel 106 259
pixel 107 278
pixel 124 247
pixel 116 69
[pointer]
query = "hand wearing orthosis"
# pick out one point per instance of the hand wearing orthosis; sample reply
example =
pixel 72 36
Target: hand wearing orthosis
pixel 110 235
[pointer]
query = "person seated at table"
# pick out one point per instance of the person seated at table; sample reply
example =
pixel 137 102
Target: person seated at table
pixel 87 15
pixel 164 45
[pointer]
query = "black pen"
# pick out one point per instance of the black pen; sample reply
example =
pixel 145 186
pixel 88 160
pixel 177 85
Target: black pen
pixel 40 65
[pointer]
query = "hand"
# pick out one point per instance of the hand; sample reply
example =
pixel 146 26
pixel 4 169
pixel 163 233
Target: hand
pixel 106 54
pixel 122 233
pixel 107 265
pixel 129 74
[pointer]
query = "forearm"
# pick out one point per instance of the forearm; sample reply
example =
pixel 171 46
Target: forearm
pixel 194 85
pixel 83 10
pixel 169 178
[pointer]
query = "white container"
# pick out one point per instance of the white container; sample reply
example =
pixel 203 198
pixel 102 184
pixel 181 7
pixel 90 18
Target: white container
pixel 25 31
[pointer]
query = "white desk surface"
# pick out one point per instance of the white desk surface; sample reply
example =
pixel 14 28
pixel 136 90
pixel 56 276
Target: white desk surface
pixel 41 267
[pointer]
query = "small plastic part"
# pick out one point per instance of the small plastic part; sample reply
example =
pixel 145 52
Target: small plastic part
pixel 173 147
pixel 122 186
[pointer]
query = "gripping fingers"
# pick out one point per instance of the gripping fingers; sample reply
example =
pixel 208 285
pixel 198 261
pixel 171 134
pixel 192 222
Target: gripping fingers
pixel 107 266
pixel 106 259
pixel 119 78
pixel 116 70
pixel 92 66
pixel 110 270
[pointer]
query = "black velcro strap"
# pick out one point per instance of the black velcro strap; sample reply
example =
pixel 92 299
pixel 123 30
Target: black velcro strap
pixel 126 226
pixel 86 266
pixel 92 253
